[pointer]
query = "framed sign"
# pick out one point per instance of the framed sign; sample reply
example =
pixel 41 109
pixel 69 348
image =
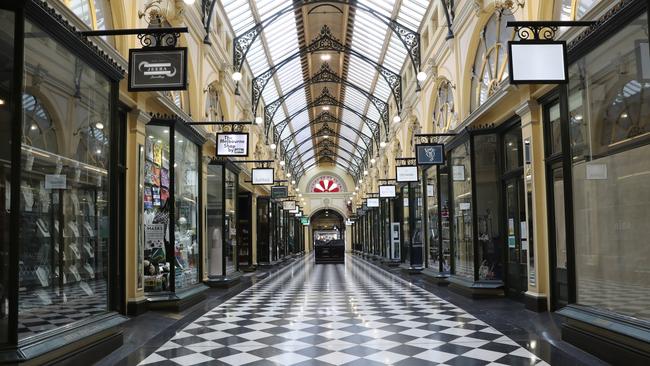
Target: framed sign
pixel 458 173
pixel 387 191
pixel 153 69
pixel 373 202
pixel 289 205
pixel 538 62
pixel 279 191
pixel 407 173
pixel 232 144
pixel 263 176
pixel 430 154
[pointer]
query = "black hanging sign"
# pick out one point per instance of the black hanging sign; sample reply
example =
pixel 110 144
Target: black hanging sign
pixel 430 154
pixel 279 191
pixel 156 69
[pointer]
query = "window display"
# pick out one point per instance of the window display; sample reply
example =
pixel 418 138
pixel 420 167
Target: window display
pixel 170 203
pixel 64 194
pixel 610 135
pixel 462 197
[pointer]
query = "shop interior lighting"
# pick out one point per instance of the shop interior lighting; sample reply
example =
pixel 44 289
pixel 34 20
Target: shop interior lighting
pixel 99 126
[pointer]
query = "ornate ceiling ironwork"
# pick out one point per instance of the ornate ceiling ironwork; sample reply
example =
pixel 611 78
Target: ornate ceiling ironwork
pixel 326 42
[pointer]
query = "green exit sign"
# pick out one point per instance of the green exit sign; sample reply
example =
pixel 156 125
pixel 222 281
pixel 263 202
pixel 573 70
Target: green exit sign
pixel 304 220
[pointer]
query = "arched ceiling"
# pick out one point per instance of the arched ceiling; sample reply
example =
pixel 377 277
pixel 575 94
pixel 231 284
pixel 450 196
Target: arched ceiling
pixel 367 42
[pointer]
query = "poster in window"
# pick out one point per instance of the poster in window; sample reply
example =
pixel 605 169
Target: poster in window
pixel 155 193
pixel 164 195
pixel 154 236
pixel 164 178
pixel 155 176
pixel 148 198
pixel 157 153
pixel 148 172
pixel 149 153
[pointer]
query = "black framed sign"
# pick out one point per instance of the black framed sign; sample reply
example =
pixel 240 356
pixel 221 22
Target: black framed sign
pixel 387 191
pixel 372 202
pixel 408 173
pixel 153 69
pixel 538 62
pixel 232 144
pixel 263 176
pixel 279 191
pixel 289 205
pixel 430 154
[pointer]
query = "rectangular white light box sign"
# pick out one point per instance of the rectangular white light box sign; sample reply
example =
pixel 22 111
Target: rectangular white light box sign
pixel 387 191
pixel 538 62
pixel 232 144
pixel 373 202
pixel 407 173
pixel 289 205
pixel 262 176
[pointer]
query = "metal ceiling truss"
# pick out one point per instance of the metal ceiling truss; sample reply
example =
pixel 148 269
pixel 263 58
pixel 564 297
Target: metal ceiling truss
pixel 242 43
pixel 324 75
pixel 326 117
pixel 351 167
pixel 329 132
pixel 326 42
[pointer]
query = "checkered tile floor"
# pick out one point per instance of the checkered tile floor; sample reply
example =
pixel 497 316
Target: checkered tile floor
pixel 345 314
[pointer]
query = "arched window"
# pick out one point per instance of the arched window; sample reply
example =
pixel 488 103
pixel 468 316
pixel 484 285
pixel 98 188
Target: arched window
pixel 326 184
pixel 444 113
pixel 575 9
pixel 38 128
pixel 95 13
pixel 491 61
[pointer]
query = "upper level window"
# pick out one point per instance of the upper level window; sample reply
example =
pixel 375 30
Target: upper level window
pixel 444 114
pixel 491 61
pixel 326 184
pixel 575 9
pixel 95 13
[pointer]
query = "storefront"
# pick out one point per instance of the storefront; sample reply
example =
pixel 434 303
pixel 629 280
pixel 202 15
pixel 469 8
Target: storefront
pixel 222 240
pixel 245 230
pixel 171 176
pixel 475 213
pixel 410 211
pixel 597 167
pixel 264 232
pixel 61 218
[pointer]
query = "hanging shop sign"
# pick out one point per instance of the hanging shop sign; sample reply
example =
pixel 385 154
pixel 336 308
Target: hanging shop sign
pixel 407 173
pixel 538 62
pixel 289 205
pixel 430 154
pixel 263 176
pixel 373 202
pixel 154 69
pixel 279 191
pixel 387 191
pixel 232 144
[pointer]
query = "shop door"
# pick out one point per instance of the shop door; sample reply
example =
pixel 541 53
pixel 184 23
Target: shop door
pixel 245 250
pixel 515 220
pixel 560 281
pixel 263 231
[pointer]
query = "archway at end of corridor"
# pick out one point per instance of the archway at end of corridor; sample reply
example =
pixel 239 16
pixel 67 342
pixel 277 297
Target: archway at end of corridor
pixel 326 224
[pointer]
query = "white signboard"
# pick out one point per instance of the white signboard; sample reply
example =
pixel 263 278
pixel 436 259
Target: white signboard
pixel 263 176
pixel 387 191
pixel 55 181
pixel 232 144
pixel 289 205
pixel 458 172
pixel 538 62
pixel 373 202
pixel 596 171
pixel 407 174
pixel 154 235
pixel 430 191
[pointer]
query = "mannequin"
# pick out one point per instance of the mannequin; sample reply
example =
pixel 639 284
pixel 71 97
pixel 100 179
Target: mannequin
pixel 216 251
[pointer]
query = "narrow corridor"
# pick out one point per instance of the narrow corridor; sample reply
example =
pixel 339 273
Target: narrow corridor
pixel 352 314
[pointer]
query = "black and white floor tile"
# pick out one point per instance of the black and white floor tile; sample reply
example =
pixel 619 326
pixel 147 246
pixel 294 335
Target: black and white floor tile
pixel 351 314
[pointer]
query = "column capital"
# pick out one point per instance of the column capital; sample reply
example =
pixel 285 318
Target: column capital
pixel 526 108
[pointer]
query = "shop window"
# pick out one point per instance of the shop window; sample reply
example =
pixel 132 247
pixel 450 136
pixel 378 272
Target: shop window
pixel 610 108
pixel 64 210
pixel 95 13
pixel 463 242
pixel 444 113
pixel 490 68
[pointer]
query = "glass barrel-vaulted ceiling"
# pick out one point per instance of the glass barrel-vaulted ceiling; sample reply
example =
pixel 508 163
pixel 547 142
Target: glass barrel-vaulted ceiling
pixel 364 29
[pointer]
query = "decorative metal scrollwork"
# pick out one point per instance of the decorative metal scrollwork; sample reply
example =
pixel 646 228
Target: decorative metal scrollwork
pixel 411 41
pixel 539 32
pixel 242 44
pixel 159 39
pixel 405 161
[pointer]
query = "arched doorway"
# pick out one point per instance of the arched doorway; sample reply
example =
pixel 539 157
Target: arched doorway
pixel 328 235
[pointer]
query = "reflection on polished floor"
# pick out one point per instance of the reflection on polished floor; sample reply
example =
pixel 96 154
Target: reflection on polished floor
pixel 352 314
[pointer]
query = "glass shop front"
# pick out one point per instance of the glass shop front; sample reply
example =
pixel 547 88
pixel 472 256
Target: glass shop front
pixel 171 208
pixel 60 212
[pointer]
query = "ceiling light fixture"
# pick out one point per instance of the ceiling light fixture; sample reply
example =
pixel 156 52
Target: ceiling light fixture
pixel 293 182
pixel 273 146
pixel 421 76
pixel 383 144
pixel 259 120
pixel 326 57
pixel 288 175
pixel 397 119
pixel 372 161
pixel 282 163
pixel 365 172
pixel 236 76
pixel 188 2
pixel 326 108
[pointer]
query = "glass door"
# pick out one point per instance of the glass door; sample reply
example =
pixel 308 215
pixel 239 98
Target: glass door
pixel 515 219
pixel 560 282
